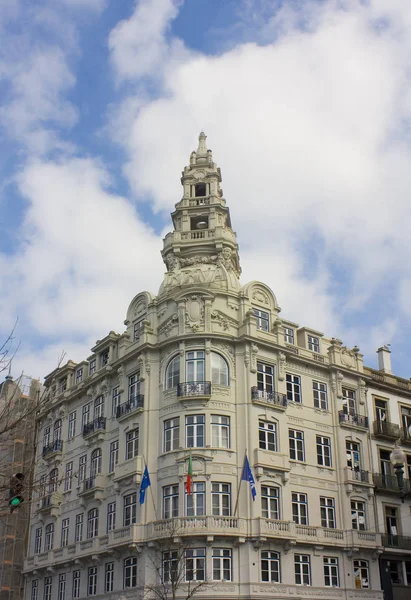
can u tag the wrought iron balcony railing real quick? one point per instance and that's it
(56, 446)
(351, 418)
(389, 483)
(98, 424)
(132, 404)
(194, 388)
(397, 541)
(385, 429)
(405, 435)
(275, 398)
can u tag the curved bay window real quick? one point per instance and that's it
(219, 369)
(197, 370)
(173, 373)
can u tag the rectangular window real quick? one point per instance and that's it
(195, 366)
(349, 402)
(68, 476)
(195, 564)
(62, 587)
(104, 358)
(133, 387)
(92, 581)
(270, 567)
(302, 569)
(220, 431)
(109, 577)
(85, 415)
(111, 516)
(358, 515)
(331, 574)
(221, 499)
(170, 501)
(92, 523)
(265, 378)
(49, 537)
(288, 335)
(299, 508)
(130, 572)
(76, 584)
(138, 328)
(296, 441)
(327, 509)
(35, 589)
(222, 560)
(113, 458)
(47, 588)
(79, 375)
(38, 540)
(72, 425)
(320, 395)
(195, 502)
(46, 436)
(408, 571)
(78, 536)
(263, 319)
(267, 433)
(92, 366)
(313, 343)
(130, 509)
(99, 407)
(115, 400)
(353, 455)
(361, 575)
(195, 431)
(270, 502)
(65, 527)
(396, 574)
(170, 566)
(171, 434)
(132, 444)
(82, 468)
(406, 421)
(293, 384)
(323, 451)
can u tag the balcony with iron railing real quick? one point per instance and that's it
(386, 430)
(194, 390)
(50, 451)
(134, 404)
(396, 541)
(274, 399)
(352, 420)
(405, 434)
(356, 476)
(389, 484)
(96, 426)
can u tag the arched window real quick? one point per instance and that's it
(99, 407)
(130, 572)
(57, 430)
(219, 369)
(173, 373)
(49, 540)
(95, 466)
(92, 523)
(53, 481)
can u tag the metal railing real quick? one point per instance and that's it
(275, 398)
(194, 388)
(405, 434)
(353, 419)
(390, 483)
(56, 446)
(386, 429)
(359, 475)
(397, 541)
(96, 425)
(132, 404)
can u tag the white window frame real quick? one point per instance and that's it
(358, 515)
(195, 564)
(331, 571)
(129, 509)
(62, 587)
(82, 468)
(327, 512)
(361, 574)
(48, 583)
(111, 516)
(132, 439)
(222, 564)
(109, 577)
(220, 374)
(57, 427)
(79, 375)
(92, 366)
(46, 436)
(85, 414)
(96, 460)
(195, 430)
(38, 540)
(65, 529)
(78, 534)
(296, 445)
(99, 407)
(349, 402)
(49, 537)
(320, 395)
(293, 385)
(170, 501)
(265, 378)
(313, 343)
(195, 366)
(270, 502)
(299, 506)
(289, 335)
(76, 584)
(302, 569)
(113, 456)
(92, 581)
(221, 499)
(220, 431)
(115, 399)
(171, 434)
(104, 358)
(270, 564)
(195, 503)
(324, 456)
(72, 425)
(138, 326)
(173, 372)
(34, 589)
(133, 387)
(130, 572)
(170, 562)
(263, 319)
(267, 436)
(92, 523)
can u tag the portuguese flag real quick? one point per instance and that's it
(189, 481)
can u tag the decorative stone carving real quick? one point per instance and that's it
(172, 262)
(347, 358)
(194, 313)
(363, 391)
(260, 297)
(166, 327)
(282, 361)
(221, 318)
(198, 260)
(254, 352)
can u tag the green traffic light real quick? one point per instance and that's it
(15, 502)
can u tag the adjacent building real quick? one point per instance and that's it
(206, 373)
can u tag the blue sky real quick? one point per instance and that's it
(307, 108)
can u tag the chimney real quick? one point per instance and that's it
(384, 359)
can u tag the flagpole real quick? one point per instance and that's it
(152, 497)
(239, 484)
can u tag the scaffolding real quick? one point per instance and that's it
(17, 452)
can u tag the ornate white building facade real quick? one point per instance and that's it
(209, 369)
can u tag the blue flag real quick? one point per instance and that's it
(248, 476)
(145, 482)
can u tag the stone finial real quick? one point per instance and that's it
(202, 146)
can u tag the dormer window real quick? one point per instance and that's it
(79, 375)
(313, 343)
(63, 384)
(200, 190)
(138, 328)
(104, 358)
(288, 335)
(92, 366)
(263, 319)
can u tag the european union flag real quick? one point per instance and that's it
(248, 476)
(145, 482)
